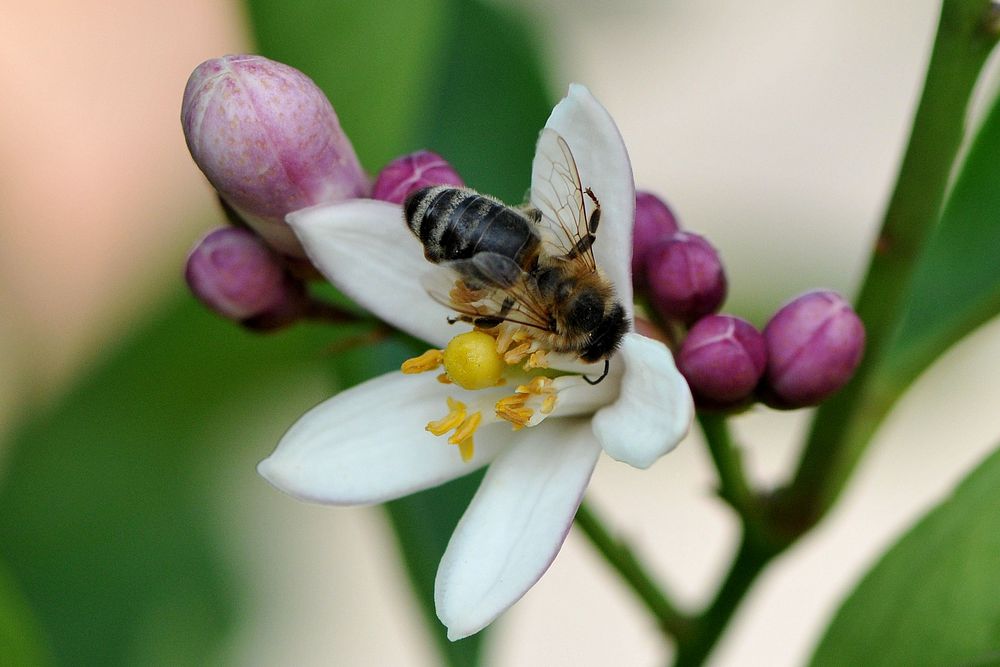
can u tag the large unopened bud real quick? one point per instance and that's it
(269, 141)
(814, 344)
(413, 172)
(239, 277)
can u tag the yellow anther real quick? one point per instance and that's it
(466, 448)
(516, 354)
(537, 359)
(427, 361)
(504, 339)
(512, 409)
(548, 405)
(453, 419)
(443, 378)
(538, 385)
(466, 429)
(472, 362)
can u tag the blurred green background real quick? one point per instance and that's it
(133, 528)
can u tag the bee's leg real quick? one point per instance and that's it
(595, 217)
(490, 321)
(487, 322)
(582, 246)
(530, 212)
(607, 367)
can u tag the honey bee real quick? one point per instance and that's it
(531, 265)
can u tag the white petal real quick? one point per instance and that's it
(364, 248)
(654, 408)
(603, 163)
(515, 525)
(368, 444)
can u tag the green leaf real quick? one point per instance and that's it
(957, 284)
(373, 60)
(489, 99)
(104, 526)
(934, 598)
(21, 642)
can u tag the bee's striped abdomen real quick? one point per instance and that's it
(457, 223)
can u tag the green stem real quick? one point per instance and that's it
(620, 556)
(733, 485)
(844, 425)
(750, 561)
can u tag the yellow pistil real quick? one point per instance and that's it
(428, 361)
(471, 361)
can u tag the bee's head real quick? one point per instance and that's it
(606, 334)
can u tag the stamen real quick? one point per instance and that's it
(517, 353)
(443, 378)
(512, 409)
(504, 339)
(453, 419)
(537, 359)
(428, 361)
(464, 426)
(466, 448)
(540, 392)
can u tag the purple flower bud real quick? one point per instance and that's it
(234, 273)
(269, 141)
(653, 221)
(685, 276)
(722, 358)
(412, 172)
(814, 343)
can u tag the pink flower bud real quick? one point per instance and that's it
(653, 221)
(814, 344)
(269, 141)
(685, 276)
(234, 273)
(722, 358)
(412, 172)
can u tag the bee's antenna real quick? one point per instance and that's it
(607, 367)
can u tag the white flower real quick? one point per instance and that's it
(369, 444)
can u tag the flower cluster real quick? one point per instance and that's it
(271, 146)
(492, 391)
(808, 350)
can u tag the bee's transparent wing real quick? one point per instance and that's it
(558, 195)
(487, 286)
